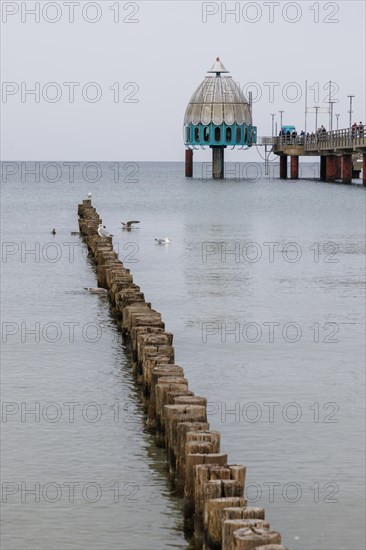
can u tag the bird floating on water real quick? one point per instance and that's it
(75, 233)
(163, 241)
(128, 225)
(89, 196)
(95, 290)
(103, 231)
(53, 231)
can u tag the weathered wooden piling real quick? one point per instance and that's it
(249, 538)
(232, 525)
(214, 505)
(189, 163)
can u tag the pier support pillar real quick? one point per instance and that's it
(364, 169)
(294, 167)
(330, 168)
(283, 167)
(218, 163)
(347, 168)
(338, 168)
(323, 168)
(189, 163)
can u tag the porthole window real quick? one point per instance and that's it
(206, 134)
(238, 135)
(217, 134)
(196, 134)
(245, 134)
(228, 134)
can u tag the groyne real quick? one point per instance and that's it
(212, 490)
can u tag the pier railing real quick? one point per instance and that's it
(337, 139)
(345, 139)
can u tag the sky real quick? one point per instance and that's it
(111, 80)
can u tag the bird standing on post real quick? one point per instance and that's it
(103, 231)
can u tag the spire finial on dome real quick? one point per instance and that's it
(218, 67)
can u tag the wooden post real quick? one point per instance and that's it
(347, 168)
(218, 162)
(183, 429)
(248, 538)
(192, 442)
(246, 512)
(215, 482)
(330, 171)
(189, 163)
(294, 167)
(214, 520)
(192, 460)
(179, 413)
(338, 167)
(283, 167)
(149, 357)
(165, 384)
(231, 525)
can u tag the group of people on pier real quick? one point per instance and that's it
(357, 129)
(320, 136)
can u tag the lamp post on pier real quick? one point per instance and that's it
(351, 96)
(281, 113)
(331, 103)
(337, 117)
(273, 115)
(316, 122)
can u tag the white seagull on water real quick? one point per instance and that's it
(129, 225)
(96, 290)
(103, 231)
(163, 241)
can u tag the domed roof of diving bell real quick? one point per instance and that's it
(218, 99)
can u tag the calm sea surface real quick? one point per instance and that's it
(262, 286)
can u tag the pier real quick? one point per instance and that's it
(212, 490)
(336, 150)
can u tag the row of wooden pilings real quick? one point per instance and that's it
(332, 168)
(215, 509)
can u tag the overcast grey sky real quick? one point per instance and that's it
(146, 58)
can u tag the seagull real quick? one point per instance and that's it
(53, 231)
(103, 231)
(89, 196)
(128, 226)
(163, 241)
(96, 290)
